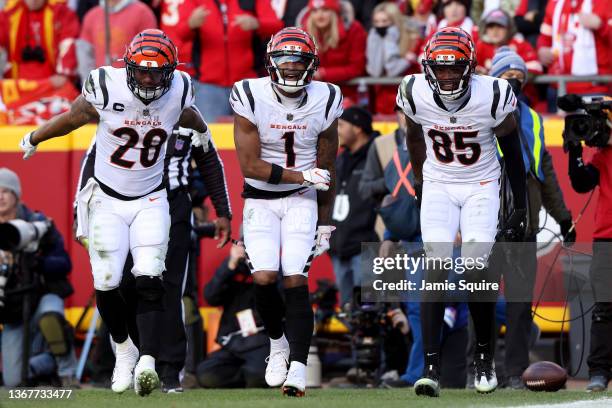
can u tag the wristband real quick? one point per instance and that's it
(276, 174)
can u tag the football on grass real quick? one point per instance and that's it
(544, 376)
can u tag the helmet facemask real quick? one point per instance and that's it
(161, 81)
(449, 79)
(291, 80)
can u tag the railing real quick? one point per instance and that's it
(561, 80)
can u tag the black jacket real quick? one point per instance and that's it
(49, 267)
(234, 291)
(357, 225)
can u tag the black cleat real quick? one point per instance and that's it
(429, 384)
(485, 380)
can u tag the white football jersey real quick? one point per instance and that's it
(288, 135)
(461, 146)
(131, 138)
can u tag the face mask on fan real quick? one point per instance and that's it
(516, 85)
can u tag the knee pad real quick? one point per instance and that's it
(56, 332)
(150, 293)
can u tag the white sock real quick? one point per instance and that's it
(125, 346)
(279, 344)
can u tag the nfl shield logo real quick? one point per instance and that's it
(145, 112)
(179, 144)
(453, 119)
(289, 117)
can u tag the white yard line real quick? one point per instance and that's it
(599, 403)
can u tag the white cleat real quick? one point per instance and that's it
(145, 376)
(295, 384)
(126, 356)
(485, 379)
(278, 361)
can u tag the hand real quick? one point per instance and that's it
(6, 258)
(223, 231)
(317, 178)
(590, 20)
(197, 17)
(399, 320)
(386, 249)
(26, 145)
(322, 241)
(568, 231)
(514, 228)
(531, 15)
(197, 139)
(546, 55)
(237, 254)
(246, 22)
(58, 80)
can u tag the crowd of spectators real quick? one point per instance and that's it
(222, 41)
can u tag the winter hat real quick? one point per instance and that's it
(10, 181)
(359, 117)
(504, 60)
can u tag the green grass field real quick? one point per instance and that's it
(327, 398)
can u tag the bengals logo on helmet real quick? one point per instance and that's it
(291, 45)
(449, 62)
(150, 60)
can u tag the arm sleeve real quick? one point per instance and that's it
(374, 55)
(4, 33)
(218, 285)
(372, 183)
(584, 178)
(211, 168)
(333, 107)
(242, 101)
(545, 38)
(515, 168)
(182, 28)
(268, 22)
(552, 196)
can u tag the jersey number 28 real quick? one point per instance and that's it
(442, 146)
(151, 146)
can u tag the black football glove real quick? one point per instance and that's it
(568, 231)
(513, 229)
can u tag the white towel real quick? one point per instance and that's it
(82, 199)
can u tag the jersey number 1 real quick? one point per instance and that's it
(153, 140)
(289, 138)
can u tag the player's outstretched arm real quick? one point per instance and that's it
(510, 144)
(327, 149)
(415, 141)
(248, 147)
(191, 118)
(81, 112)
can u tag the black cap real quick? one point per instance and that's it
(359, 117)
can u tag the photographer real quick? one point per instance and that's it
(48, 265)
(241, 362)
(584, 178)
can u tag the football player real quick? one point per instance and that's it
(286, 136)
(453, 117)
(124, 206)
